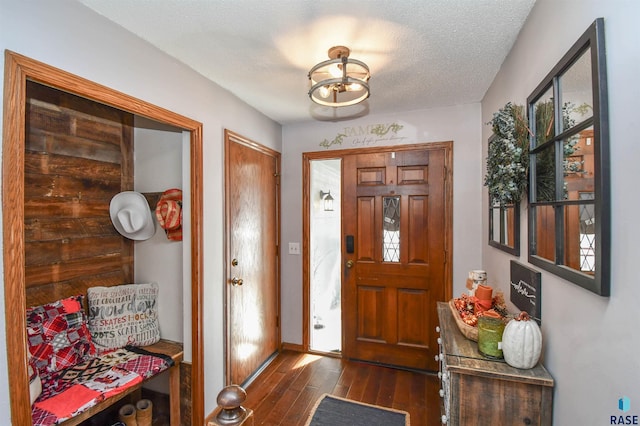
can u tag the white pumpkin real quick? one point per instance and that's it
(522, 342)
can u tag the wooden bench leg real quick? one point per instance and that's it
(174, 394)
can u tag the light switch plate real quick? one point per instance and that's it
(294, 248)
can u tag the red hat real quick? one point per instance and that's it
(169, 213)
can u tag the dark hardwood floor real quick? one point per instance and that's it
(285, 392)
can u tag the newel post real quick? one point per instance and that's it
(230, 411)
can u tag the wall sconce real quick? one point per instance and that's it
(328, 200)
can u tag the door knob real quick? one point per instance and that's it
(236, 281)
(349, 263)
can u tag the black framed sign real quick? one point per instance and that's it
(525, 290)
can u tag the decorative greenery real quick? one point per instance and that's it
(380, 129)
(508, 159)
(336, 141)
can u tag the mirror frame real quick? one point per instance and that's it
(515, 229)
(599, 282)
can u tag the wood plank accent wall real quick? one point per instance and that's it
(78, 155)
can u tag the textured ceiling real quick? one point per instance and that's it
(422, 53)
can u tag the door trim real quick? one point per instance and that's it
(230, 136)
(307, 157)
(19, 69)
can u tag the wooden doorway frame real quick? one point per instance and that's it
(307, 157)
(19, 69)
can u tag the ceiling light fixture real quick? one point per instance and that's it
(340, 81)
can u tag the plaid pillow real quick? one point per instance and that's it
(57, 335)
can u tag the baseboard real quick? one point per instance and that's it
(292, 347)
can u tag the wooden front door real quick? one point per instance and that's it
(396, 237)
(252, 290)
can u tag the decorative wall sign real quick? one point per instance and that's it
(526, 289)
(372, 134)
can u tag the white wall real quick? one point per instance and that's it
(158, 167)
(591, 342)
(460, 124)
(69, 36)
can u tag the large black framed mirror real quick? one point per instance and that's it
(569, 188)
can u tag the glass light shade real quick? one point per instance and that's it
(324, 91)
(335, 70)
(328, 204)
(348, 86)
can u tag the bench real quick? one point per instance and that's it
(87, 365)
(165, 348)
(78, 390)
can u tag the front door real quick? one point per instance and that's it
(252, 289)
(396, 255)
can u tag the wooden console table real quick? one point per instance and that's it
(478, 391)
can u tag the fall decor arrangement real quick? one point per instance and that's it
(508, 159)
(467, 309)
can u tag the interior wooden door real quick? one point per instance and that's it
(396, 232)
(252, 290)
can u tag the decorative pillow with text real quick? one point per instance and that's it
(123, 315)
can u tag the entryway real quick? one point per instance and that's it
(302, 378)
(385, 243)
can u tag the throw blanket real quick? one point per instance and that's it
(69, 392)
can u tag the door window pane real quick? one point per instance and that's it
(325, 258)
(391, 229)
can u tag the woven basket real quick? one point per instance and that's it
(467, 331)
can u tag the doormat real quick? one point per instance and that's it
(334, 411)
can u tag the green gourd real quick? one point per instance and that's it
(522, 342)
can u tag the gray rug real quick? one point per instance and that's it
(334, 411)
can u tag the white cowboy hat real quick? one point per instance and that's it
(131, 215)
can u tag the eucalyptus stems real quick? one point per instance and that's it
(508, 159)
